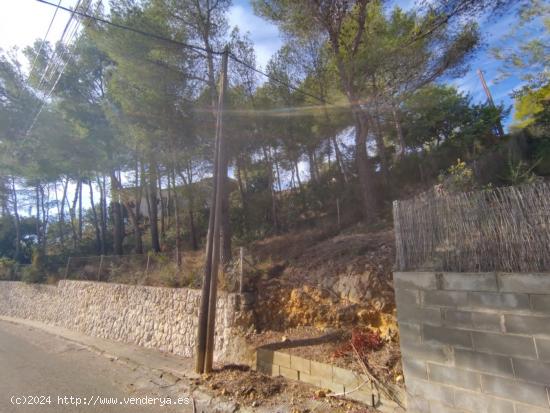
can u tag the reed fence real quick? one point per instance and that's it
(505, 229)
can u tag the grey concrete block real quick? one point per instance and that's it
(415, 280)
(498, 301)
(322, 370)
(540, 303)
(534, 371)
(409, 333)
(301, 364)
(333, 387)
(475, 402)
(281, 359)
(472, 320)
(470, 281)
(430, 391)
(444, 298)
(437, 353)
(309, 379)
(288, 373)
(407, 314)
(264, 356)
(524, 283)
(344, 376)
(543, 349)
(483, 362)
(504, 344)
(445, 335)
(417, 404)
(487, 322)
(525, 408)
(442, 408)
(409, 298)
(455, 377)
(269, 369)
(457, 318)
(530, 393)
(413, 368)
(519, 324)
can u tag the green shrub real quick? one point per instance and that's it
(36, 272)
(8, 269)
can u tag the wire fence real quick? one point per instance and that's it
(504, 229)
(113, 268)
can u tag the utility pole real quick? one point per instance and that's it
(490, 100)
(207, 311)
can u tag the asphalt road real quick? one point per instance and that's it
(35, 365)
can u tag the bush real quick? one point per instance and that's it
(8, 269)
(35, 273)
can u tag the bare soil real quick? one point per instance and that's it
(252, 389)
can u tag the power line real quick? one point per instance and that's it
(296, 89)
(44, 38)
(188, 46)
(61, 60)
(132, 29)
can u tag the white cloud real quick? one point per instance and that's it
(264, 35)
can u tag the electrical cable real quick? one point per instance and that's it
(187, 45)
(44, 39)
(67, 57)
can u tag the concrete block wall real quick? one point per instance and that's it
(325, 376)
(475, 342)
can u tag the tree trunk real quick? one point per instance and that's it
(162, 207)
(116, 213)
(269, 169)
(72, 212)
(381, 148)
(153, 206)
(400, 136)
(62, 213)
(16, 222)
(339, 160)
(80, 210)
(38, 226)
(103, 212)
(99, 247)
(176, 219)
(242, 192)
(364, 166)
(45, 216)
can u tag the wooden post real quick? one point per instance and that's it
(216, 250)
(99, 269)
(67, 267)
(204, 309)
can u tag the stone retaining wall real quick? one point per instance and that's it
(476, 342)
(153, 317)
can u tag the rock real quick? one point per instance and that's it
(320, 394)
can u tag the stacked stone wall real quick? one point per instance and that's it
(153, 317)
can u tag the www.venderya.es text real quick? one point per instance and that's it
(95, 400)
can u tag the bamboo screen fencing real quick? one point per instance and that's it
(505, 229)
